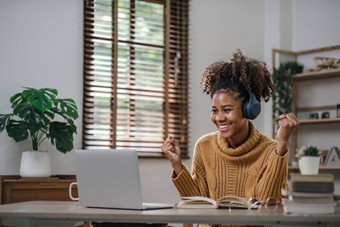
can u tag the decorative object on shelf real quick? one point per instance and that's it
(323, 155)
(327, 63)
(282, 78)
(309, 159)
(325, 115)
(34, 113)
(313, 116)
(333, 157)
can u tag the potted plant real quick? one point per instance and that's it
(40, 115)
(309, 159)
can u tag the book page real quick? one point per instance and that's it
(199, 199)
(233, 202)
(223, 202)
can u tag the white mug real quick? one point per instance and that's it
(70, 191)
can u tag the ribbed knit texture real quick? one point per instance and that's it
(252, 170)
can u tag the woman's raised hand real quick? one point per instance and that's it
(172, 151)
(287, 124)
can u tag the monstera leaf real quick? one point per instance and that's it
(34, 111)
(42, 99)
(18, 130)
(60, 133)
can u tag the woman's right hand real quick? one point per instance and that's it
(172, 151)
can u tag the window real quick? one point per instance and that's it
(135, 74)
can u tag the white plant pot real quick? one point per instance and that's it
(35, 164)
(309, 165)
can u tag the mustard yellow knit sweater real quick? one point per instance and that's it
(252, 170)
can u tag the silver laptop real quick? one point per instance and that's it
(110, 179)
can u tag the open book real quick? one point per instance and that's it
(223, 202)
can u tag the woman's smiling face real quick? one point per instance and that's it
(226, 114)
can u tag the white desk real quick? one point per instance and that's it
(28, 213)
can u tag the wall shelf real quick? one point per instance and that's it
(298, 78)
(304, 76)
(317, 75)
(320, 121)
(319, 79)
(313, 108)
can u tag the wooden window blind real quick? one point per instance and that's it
(135, 74)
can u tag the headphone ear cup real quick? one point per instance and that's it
(252, 108)
(244, 109)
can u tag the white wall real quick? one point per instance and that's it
(218, 29)
(316, 23)
(278, 34)
(41, 46)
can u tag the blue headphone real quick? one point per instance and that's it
(251, 108)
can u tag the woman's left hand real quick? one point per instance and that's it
(287, 124)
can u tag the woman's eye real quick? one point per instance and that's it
(227, 110)
(214, 111)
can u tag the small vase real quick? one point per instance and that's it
(309, 165)
(35, 164)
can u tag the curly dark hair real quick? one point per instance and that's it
(241, 75)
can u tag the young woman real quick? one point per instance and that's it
(237, 160)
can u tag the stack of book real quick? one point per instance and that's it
(309, 194)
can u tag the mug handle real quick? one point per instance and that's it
(70, 192)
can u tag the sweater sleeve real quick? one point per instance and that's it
(273, 177)
(184, 183)
(195, 184)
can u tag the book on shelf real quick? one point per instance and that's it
(310, 200)
(292, 206)
(198, 202)
(320, 183)
(322, 187)
(321, 177)
(287, 192)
